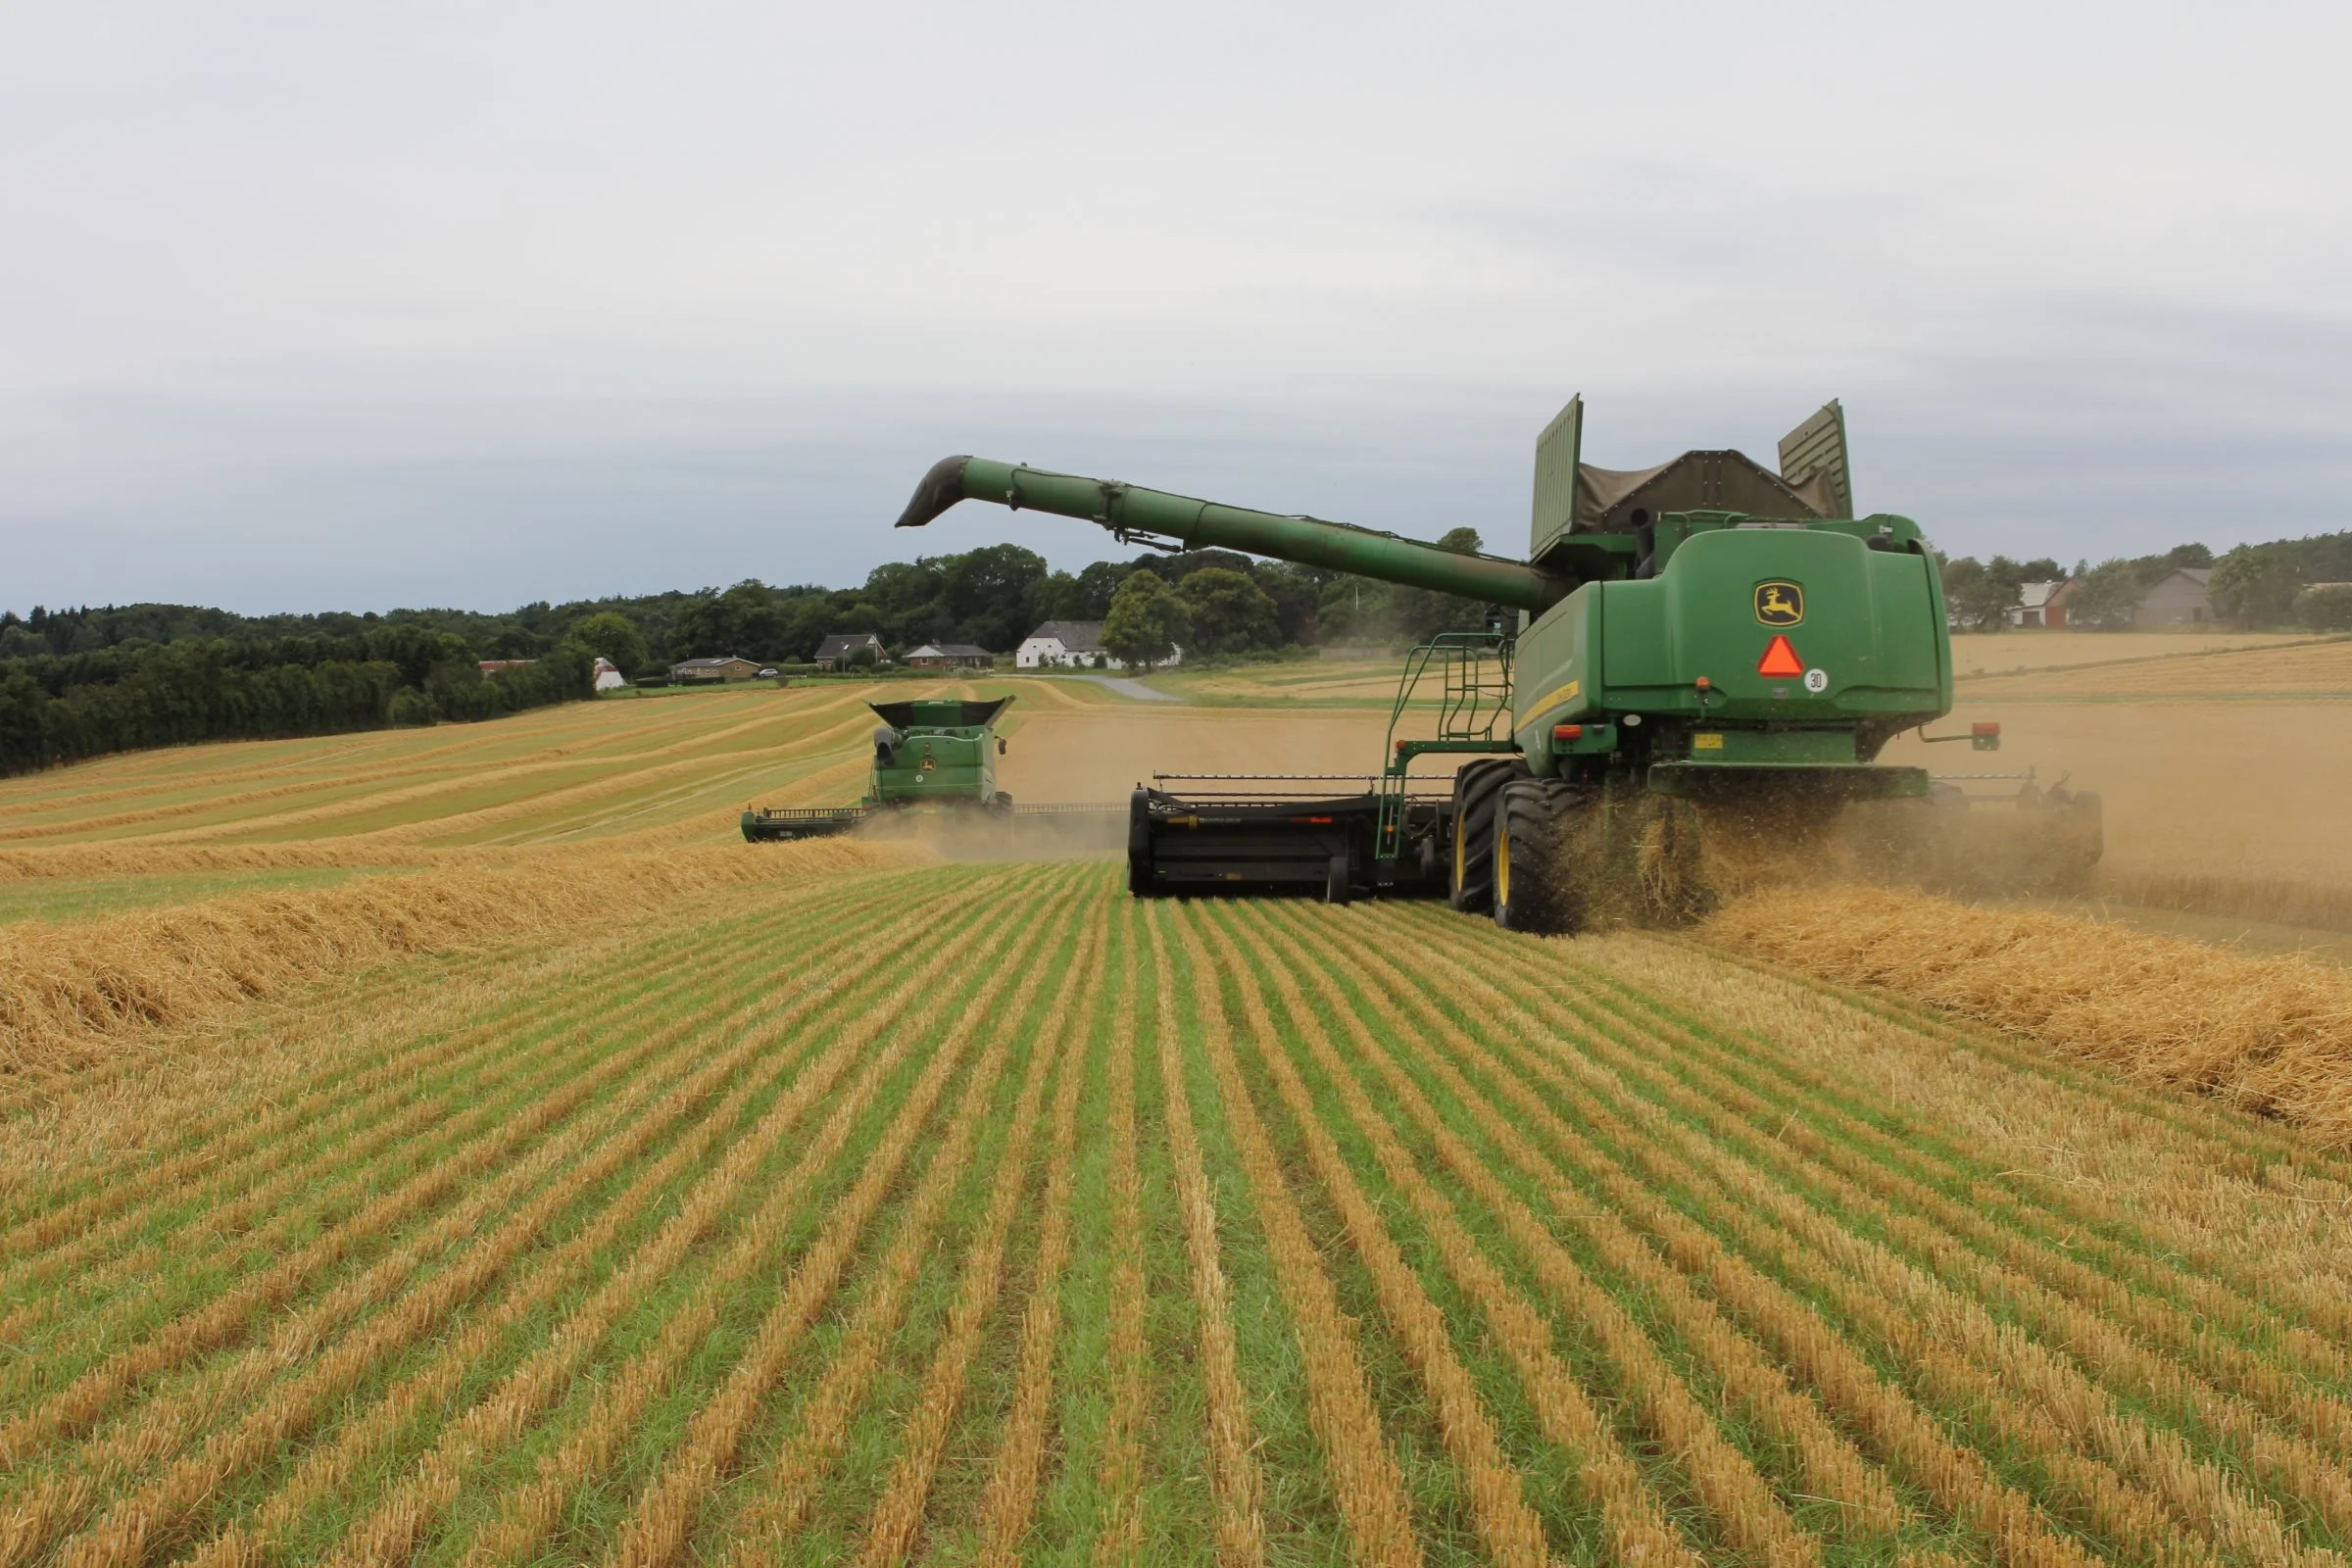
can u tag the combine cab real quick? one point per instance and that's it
(1707, 659)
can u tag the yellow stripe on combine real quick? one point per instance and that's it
(1559, 694)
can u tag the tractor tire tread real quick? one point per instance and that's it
(1545, 898)
(1477, 786)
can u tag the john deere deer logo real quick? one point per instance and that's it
(1780, 603)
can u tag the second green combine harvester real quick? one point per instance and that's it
(931, 755)
(1707, 659)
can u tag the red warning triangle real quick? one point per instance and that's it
(1779, 660)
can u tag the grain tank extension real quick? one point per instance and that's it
(1693, 673)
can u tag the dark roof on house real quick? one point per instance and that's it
(714, 663)
(842, 642)
(1076, 636)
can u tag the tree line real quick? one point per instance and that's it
(139, 692)
(2283, 583)
(992, 597)
(83, 682)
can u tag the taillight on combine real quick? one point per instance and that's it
(1567, 732)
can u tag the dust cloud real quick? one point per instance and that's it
(2229, 806)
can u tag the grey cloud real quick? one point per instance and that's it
(438, 303)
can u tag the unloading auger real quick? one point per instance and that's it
(1706, 661)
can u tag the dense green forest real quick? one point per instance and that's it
(83, 682)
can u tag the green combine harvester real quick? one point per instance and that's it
(1707, 658)
(935, 762)
(935, 754)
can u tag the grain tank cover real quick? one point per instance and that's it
(1814, 454)
(940, 713)
(1627, 499)
(1575, 497)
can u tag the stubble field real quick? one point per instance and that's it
(713, 1204)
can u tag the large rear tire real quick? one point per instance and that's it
(1535, 888)
(1470, 880)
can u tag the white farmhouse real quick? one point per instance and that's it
(609, 677)
(2033, 607)
(1071, 645)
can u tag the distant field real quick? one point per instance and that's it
(1324, 681)
(984, 1214)
(2300, 668)
(2002, 653)
(612, 773)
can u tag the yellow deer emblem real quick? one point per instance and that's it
(1780, 603)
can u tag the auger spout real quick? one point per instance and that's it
(1131, 510)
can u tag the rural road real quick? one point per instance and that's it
(1128, 686)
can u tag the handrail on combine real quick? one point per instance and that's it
(1475, 695)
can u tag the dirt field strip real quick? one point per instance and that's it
(2145, 1248)
(786, 1486)
(472, 1140)
(493, 1042)
(1905, 1437)
(1120, 1469)
(897, 1517)
(1012, 1480)
(1867, 1287)
(1233, 1461)
(2181, 1155)
(147, 1433)
(1752, 1519)
(530, 1512)
(1941, 1381)
(1867, 1193)
(1364, 1474)
(325, 1183)
(2010, 1398)
(1830, 1469)
(2048, 1243)
(151, 1514)
(1507, 1527)
(425, 1134)
(389, 1532)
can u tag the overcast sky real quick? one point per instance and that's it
(363, 305)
